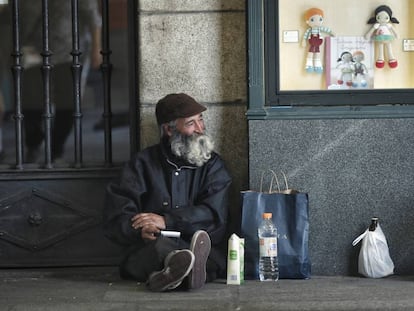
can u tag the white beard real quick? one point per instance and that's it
(195, 149)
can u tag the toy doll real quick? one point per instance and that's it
(314, 18)
(360, 70)
(346, 69)
(383, 33)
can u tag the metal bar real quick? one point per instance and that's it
(17, 70)
(133, 74)
(106, 68)
(76, 87)
(46, 71)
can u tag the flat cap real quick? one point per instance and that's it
(175, 106)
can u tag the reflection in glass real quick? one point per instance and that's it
(61, 82)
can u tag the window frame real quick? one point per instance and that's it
(267, 101)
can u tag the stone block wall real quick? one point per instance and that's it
(198, 47)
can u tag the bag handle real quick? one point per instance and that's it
(358, 239)
(274, 177)
(285, 178)
(287, 190)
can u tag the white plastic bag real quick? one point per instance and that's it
(374, 258)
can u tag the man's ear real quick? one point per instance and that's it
(167, 129)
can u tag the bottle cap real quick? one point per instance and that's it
(374, 224)
(267, 215)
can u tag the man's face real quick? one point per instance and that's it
(189, 141)
(189, 126)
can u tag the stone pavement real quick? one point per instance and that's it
(100, 288)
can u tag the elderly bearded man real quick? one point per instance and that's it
(179, 184)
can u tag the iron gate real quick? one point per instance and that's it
(50, 208)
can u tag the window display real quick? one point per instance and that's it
(384, 26)
(330, 59)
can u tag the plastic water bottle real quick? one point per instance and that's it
(268, 263)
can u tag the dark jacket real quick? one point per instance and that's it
(189, 197)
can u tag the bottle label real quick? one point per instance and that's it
(268, 247)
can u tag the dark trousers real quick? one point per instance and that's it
(33, 107)
(142, 260)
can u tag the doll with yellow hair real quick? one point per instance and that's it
(314, 18)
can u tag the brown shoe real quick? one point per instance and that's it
(200, 246)
(177, 265)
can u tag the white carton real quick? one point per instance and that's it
(235, 260)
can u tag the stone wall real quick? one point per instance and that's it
(198, 47)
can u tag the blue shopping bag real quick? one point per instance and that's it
(290, 211)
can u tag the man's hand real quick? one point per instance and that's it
(149, 232)
(149, 223)
(147, 219)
